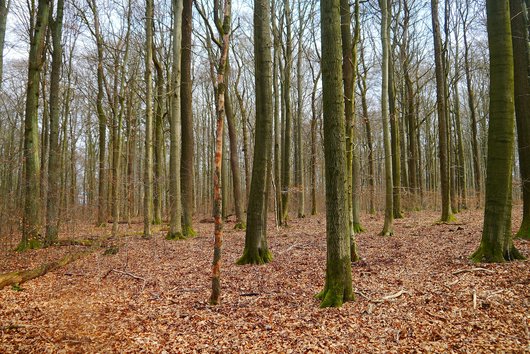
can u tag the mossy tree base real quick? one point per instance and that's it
(188, 232)
(32, 244)
(256, 256)
(240, 226)
(175, 236)
(334, 297)
(488, 255)
(386, 233)
(524, 231)
(358, 228)
(451, 218)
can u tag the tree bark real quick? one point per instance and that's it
(447, 214)
(31, 222)
(54, 187)
(496, 244)
(187, 172)
(256, 249)
(389, 185)
(338, 287)
(4, 9)
(175, 226)
(521, 66)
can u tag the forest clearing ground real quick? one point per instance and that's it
(153, 294)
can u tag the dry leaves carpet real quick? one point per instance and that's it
(416, 292)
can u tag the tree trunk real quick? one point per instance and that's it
(519, 15)
(234, 156)
(338, 287)
(496, 244)
(159, 141)
(31, 223)
(287, 133)
(148, 169)
(447, 214)
(471, 102)
(187, 172)
(54, 188)
(389, 196)
(300, 188)
(256, 249)
(175, 226)
(4, 9)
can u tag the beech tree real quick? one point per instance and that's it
(31, 223)
(4, 9)
(186, 169)
(175, 226)
(338, 288)
(521, 67)
(443, 146)
(496, 244)
(256, 248)
(388, 227)
(54, 172)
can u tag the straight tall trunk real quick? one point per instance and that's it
(256, 249)
(175, 206)
(148, 169)
(159, 141)
(287, 133)
(31, 222)
(338, 287)
(477, 172)
(221, 83)
(496, 244)
(54, 187)
(186, 164)
(234, 156)
(443, 147)
(4, 9)
(388, 227)
(521, 66)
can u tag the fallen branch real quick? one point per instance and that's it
(129, 274)
(250, 294)
(472, 270)
(384, 298)
(23, 276)
(19, 277)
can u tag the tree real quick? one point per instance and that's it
(349, 61)
(148, 169)
(521, 66)
(496, 244)
(54, 171)
(175, 226)
(223, 27)
(4, 9)
(256, 249)
(234, 158)
(388, 227)
(443, 146)
(31, 222)
(186, 169)
(338, 287)
(287, 133)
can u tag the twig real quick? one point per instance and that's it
(384, 298)
(474, 299)
(249, 294)
(129, 274)
(288, 249)
(472, 270)
(436, 316)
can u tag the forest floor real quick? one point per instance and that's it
(416, 292)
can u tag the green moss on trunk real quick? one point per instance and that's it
(175, 236)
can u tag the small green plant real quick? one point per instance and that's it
(16, 287)
(111, 250)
